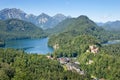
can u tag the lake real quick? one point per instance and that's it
(39, 46)
(112, 42)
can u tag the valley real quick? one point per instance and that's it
(59, 47)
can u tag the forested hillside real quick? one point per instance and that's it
(75, 46)
(17, 65)
(97, 60)
(103, 65)
(82, 25)
(18, 29)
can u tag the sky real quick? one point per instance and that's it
(97, 10)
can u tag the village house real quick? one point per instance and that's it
(74, 67)
(93, 49)
(49, 57)
(63, 60)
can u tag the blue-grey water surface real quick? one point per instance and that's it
(39, 46)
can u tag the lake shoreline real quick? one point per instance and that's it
(111, 42)
(34, 46)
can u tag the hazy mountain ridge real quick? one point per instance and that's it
(110, 25)
(43, 20)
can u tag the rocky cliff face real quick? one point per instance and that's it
(12, 13)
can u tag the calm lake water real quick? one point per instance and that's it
(39, 46)
(112, 42)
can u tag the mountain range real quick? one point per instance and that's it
(43, 20)
(110, 25)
